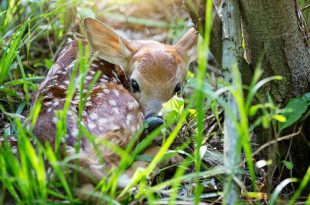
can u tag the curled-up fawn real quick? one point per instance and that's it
(136, 78)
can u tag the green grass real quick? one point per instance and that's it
(37, 174)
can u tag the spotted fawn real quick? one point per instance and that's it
(136, 78)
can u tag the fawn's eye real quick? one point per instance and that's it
(178, 88)
(134, 86)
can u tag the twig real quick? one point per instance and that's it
(275, 141)
(306, 7)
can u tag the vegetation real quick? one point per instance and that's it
(32, 35)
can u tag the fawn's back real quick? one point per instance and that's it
(110, 112)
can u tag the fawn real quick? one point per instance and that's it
(137, 77)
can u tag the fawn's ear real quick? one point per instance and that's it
(187, 46)
(109, 45)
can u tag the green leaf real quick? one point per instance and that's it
(294, 110)
(48, 63)
(265, 121)
(280, 118)
(289, 165)
(254, 109)
(173, 108)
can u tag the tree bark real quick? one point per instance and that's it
(271, 35)
(197, 10)
(272, 38)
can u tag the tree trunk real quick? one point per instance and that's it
(272, 38)
(197, 10)
(270, 29)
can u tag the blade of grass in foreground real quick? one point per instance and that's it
(58, 170)
(303, 184)
(23, 173)
(8, 160)
(279, 188)
(203, 50)
(36, 161)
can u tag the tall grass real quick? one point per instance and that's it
(36, 173)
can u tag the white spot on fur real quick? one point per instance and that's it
(102, 120)
(74, 102)
(55, 67)
(93, 116)
(54, 77)
(62, 86)
(132, 105)
(94, 65)
(116, 92)
(70, 150)
(88, 103)
(129, 118)
(133, 129)
(114, 127)
(48, 103)
(123, 181)
(103, 81)
(66, 82)
(70, 66)
(55, 103)
(97, 166)
(54, 120)
(106, 91)
(112, 102)
(91, 125)
(89, 77)
(75, 132)
(115, 110)
(99, 95)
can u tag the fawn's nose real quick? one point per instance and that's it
(153, 121)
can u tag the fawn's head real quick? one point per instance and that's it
(156, 71)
